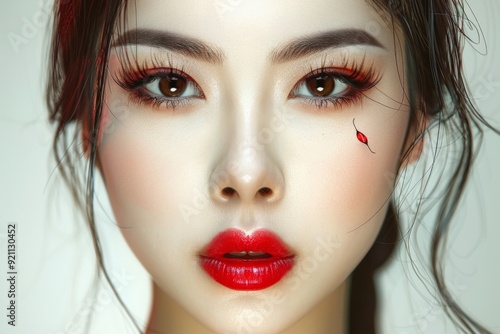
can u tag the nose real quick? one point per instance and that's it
(247, 173)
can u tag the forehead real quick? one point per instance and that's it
(264, 24)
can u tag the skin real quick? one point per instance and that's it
(165, 169)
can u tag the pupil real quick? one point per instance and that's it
(172, 85)
(320, 85)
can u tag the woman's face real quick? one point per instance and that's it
(249, 123)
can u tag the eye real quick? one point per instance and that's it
(334, 86)
(321, 85)
(172, 86)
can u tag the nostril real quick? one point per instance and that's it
(228, 191)
(265, 191)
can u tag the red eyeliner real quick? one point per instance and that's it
(246, 262)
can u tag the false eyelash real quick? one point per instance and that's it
(351, 73)
(133, 76)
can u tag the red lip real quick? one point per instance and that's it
(246, 262)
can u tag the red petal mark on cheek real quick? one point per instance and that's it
(361, 137)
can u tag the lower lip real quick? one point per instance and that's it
(247, 275)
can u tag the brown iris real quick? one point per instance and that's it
(320, 85)
(172, 85)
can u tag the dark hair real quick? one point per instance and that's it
(433, 32)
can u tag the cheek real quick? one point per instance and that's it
(351, 208)
(151, 173)
(365, 187)
(354, 186)
(133, 174)
(144, 188)
(348, 193)
(142, 166)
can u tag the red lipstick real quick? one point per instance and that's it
(246, 262)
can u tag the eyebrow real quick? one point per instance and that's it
(168, 40)
(295, 49)
(305, 46)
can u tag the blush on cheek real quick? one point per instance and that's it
(136, 174)
(368, 198)
(362, 187)
(372, 176)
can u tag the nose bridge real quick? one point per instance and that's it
(247, 170)
(251, 163)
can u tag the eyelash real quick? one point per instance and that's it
(134, 78)
(357, 79)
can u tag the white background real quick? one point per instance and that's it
(55, 262)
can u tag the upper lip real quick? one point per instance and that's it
(234, 242)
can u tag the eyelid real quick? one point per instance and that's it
(135, 78)
(334, 72)
(131, 80)
(302, 84)
(159, 73)
(354, 75)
